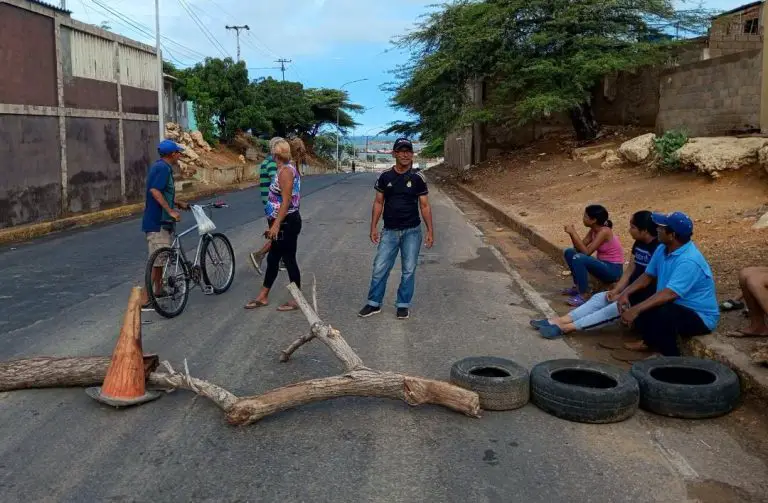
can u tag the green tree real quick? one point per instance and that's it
(325, 103)
(537, 57)
(221, 93)
(324, 145)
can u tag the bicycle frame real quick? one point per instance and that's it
(176, 245)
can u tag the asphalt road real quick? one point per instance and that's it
(65, 295)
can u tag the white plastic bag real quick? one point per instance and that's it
(204, 224)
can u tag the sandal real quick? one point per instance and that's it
(731, 305)
(570, 292)
(576, 301)
(287, 307)
(255, 303)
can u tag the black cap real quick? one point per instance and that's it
(403, 144)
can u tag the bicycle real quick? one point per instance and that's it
(178, 271)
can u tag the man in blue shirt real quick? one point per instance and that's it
(160, 217)
(685, 303)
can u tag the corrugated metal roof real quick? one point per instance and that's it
(50, 6)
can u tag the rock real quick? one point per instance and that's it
(189, 154)
(197, 139)
(172, 131)
(762, 223)
(762, 157)
(638, 149)
(760, 354)
(242, 158)
(186, 140)
(612, 160)
(709, 155)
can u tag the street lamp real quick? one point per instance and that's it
(338, 109)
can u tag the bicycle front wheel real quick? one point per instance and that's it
(218, 263)
(167, 282)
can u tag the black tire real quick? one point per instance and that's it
(686, 387)
(501, 384)
(227, 248)
(184, 276)
(584, 391)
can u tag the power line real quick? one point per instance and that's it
(137, 27)
(211, 38)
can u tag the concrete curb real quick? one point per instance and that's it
(753, 381)
(28, 232)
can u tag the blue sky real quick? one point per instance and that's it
(330, 42)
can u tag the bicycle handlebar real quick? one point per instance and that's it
(217, 205)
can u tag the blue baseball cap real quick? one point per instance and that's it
(168, 147)
(678, 222)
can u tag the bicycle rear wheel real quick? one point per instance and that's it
(218, 263)
(170, 298)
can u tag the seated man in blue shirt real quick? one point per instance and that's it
(160, 217)
(684, 304)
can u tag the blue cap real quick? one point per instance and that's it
(678, 222)
(167, 147)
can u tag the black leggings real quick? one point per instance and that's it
(284, 247)
(661, 326)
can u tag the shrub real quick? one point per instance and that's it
(667, 146)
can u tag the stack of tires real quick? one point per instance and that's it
(593, 392)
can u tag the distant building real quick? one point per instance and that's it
(737, 30)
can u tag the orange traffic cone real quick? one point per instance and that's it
(124, 383)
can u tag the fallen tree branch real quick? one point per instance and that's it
(365, 383)
(56, 372)
(287, 352)
(174, 380)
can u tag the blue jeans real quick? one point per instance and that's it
(408, 243)
(582, 266)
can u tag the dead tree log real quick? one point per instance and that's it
(47, 372)
(358, 380)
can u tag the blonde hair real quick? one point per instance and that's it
(282, 150)
(272, 143)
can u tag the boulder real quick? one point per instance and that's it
(242, 158)
(612, 160)
(710, 155)
(189, 154)
(638, 149)
(172, 131)
(186, 140)
(199, 141)
(762, 157)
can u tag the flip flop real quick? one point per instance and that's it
(731, 305)
(570, 292)
(743, 333)
(254, 304)
(576, 301)
(287, 307)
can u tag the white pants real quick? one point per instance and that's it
(595, 313)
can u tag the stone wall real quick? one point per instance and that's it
(713, 97)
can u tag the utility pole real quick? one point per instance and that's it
(282, 65)
(237, 35)
(160, 80)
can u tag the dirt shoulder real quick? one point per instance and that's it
(543, 187)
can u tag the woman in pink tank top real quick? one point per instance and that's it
(607, 266)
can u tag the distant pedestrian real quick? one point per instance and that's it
(160, 217)
(400, 193)
(685, 304)
(267, 172)
(284, 225)
(609, 264)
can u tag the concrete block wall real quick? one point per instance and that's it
(728, 35)
(78, 122)
(713, 97)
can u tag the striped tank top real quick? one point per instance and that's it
(275, 200)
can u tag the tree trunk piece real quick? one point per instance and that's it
(584, 122)
(49, 372)
(367, 383)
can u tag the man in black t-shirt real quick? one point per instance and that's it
(400, 193)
